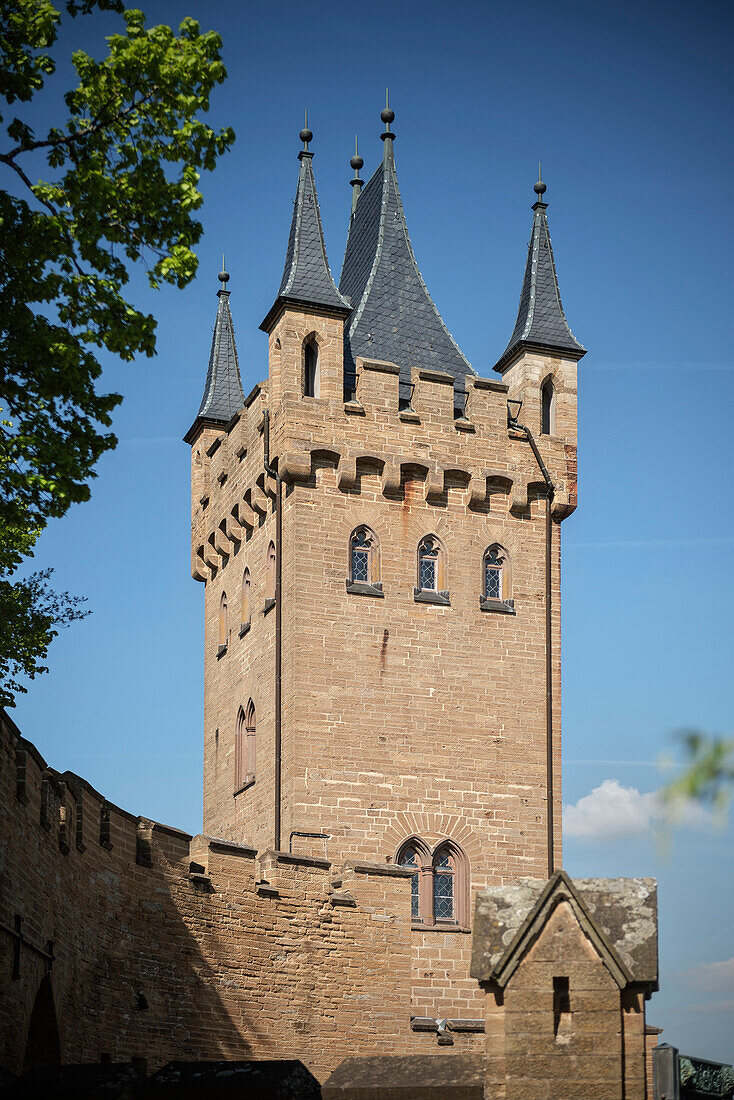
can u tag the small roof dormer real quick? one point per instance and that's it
(541, 324)
(307, 280)
(223, 393)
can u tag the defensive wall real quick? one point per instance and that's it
(159, 946)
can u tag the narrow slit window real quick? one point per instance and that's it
(270, 565)
(223, 622)
(310, 369)
(246, 599)
(561, 1006)
(547, 408)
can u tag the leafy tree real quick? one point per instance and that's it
(122, 172)
(708, 773)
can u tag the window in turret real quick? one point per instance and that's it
(431, 584)
(547, 408)
(364, 563)
(311, 368)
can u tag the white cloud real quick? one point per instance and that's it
(615, 812)
(715, 977)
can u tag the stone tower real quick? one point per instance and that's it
(378, 530)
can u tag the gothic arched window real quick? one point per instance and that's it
(311, 372)
(496, 588)
(245, 748)
(223, 623)
(364, 562)
(270, 576)
(246, 609)
(548, 408)
(431, 586)
(439, 882)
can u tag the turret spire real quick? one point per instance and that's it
(394, 318)
(223, 393)
(357, 182)
(307, 278)
(541, 323)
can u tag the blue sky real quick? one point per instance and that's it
(629, 107)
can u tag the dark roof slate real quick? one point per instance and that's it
(541, 321)
(394, 317)
(306, 275)
(223, 393)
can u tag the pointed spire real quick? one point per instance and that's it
(541, 322)
(307, 278)
(394, 317)
(223, 393)
(357, 182)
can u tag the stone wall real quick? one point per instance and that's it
(170, 947)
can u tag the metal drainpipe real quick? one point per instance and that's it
(274, 472)
(550, 493)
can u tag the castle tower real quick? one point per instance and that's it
(399, 689)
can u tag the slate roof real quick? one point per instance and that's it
(223, 393)
(541, 322)
(394, 317)
(307, 277)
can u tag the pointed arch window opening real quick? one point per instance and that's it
(245, 748)
(364, 563)
(496, 588)
(223, 625)
(269, 578)
(311, 369)
(432, 586)
(548, 408)
(439, 883)
(246, 609)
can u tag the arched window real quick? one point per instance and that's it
(548, 408)
(311, 379)
(223, 623)
(246, 611)
(439, 883)
(496, 590)
(251, 732)
(364, 562)
(270, 577)
(444, 908)
(432, 586)
(245, 748)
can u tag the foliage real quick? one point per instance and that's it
(122, 188)
(708, 773)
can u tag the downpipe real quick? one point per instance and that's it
(273, 472)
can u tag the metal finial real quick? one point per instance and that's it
(539, 187)
(356, 162)
(387, 114)
(223, 275)
(305, 134)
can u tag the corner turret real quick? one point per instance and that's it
(541, 324)
(223, 394)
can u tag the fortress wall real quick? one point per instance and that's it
(171, 947)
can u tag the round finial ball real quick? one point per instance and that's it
(306, 136)
(540, 188)
(356, 163)
(223, 277)
(387, 115)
